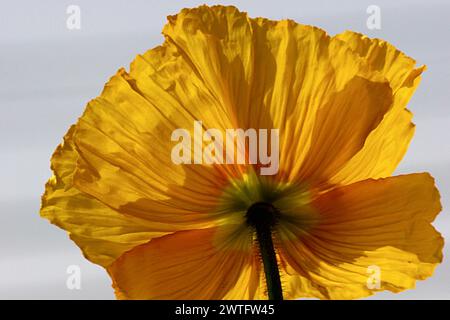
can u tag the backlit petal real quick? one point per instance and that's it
(287, 76)
(387, 144)
(101, 232)
(341, 127)
(216, 263)
(383, 224)
(124, 139)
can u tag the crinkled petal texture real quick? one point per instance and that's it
(162, 229)
(387, 144)
(101, 232)
(213, 263)
(286, 76)
(382, 224)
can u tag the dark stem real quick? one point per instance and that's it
(262, 216)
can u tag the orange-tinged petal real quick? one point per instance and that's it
(385, 146)
(102, 233)
(215, 263)
(383, 223)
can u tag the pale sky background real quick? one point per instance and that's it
(48, 74)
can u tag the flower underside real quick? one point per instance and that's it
(329, 214)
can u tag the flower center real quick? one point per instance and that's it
(269, 207)
(262, 213)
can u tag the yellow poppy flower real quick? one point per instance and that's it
(332, 211)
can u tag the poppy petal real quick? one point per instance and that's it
(124, 142)
(387, 144)
(102, 233)
(287, 76)
(215, 263)
(341, 127)
(383, 224)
